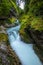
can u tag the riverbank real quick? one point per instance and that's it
(7, 55)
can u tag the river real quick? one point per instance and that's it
(24, 51)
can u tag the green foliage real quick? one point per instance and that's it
(34, 15)
(14, 5)
(25, 20)
(12, 20)
(37, 24)
(16, 8)
(36, 7)
(5, 7)
(27, 5)
(31, 16)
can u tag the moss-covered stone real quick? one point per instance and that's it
(12, 20)
(3, 37)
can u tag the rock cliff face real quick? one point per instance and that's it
(36, 36)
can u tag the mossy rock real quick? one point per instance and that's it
(12, 20)
(3, 37)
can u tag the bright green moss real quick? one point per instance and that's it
(37, 24)
(3, 37)
(12, 19)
